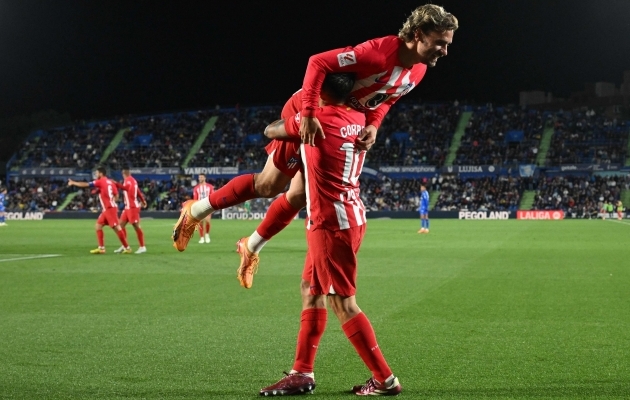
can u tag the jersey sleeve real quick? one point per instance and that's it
(375, 117)
(120, 185)
(141, 195)
(361, 58)
(292, 125)
(195, 193)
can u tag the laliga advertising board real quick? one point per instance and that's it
(541, 215)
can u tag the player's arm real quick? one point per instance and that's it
(284, 128)
(120, 185)
(373, 120)
(142, 199)
(80, 184)
(195, 194)
(364, 57)
(278, 130)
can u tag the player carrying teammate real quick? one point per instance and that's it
(134, 201)
(3, 194)
(203, 190)
(109, 215)
(335, 229)
(386, 69)
(424, 210)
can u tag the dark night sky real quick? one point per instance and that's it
(96, 59)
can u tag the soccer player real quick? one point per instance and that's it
(3, 194)
(203, 190)
(335, 228)
(108, 195)
(386, 69)
(424, 210)
(619, 210)
(134, 201)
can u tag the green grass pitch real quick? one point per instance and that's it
(475, 309)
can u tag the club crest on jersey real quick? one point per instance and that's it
(297, 118)
(292, 163)
(407, 88)
(347, 58)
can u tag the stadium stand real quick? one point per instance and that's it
(587, 138)
(415, 134)
(501, 136)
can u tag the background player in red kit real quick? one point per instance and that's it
(109, 215)
(386, 69)
(335, 228)
(134, 201)
(203, 190)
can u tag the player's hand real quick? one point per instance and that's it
(144, 204)
(70, 182)
(309, 129)
(367, 138)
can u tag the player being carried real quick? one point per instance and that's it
(134, 201)
(386, 68)
(335, 229)
(108, 195)
(203, 190)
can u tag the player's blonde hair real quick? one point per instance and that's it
(426, 18)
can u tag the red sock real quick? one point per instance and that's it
(279, 215)
(101, 238)
(124, 231)
(200, 229)
(207, 227)
(312, 326)
(123, 238)
(234, 192)
(361, 334)
(140, 235)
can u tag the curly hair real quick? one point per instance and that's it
(426, 18)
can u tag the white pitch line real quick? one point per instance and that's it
(31, 257)
(619, 222)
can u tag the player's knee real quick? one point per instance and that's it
(345, 308)
(297, 199)
(266, 187)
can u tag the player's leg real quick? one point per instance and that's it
(280, 214)
(426, 222)
(359, 331)
(206, 236)
(111, 217)
(2, 218)
(140, 235)
(200, 228)
(124, 218)
(301, 378)
(100, 236)
(268, 183)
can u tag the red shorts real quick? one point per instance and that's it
(285, 156)
(331, 260)
(108, 217)
(131, 215)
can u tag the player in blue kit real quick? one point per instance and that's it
(3, 194)
(424, 210)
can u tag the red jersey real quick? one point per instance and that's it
(202, 190)
(332, 169)
(131, 193)
(107, 192)
(380, 79)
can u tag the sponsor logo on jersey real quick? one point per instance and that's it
(347, 58)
